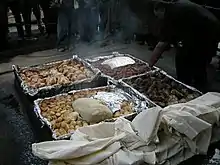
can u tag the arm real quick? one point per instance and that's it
(157, 52)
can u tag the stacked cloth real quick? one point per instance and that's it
(156, 136)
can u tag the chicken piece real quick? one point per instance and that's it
(138, 81)
(63, 80)
(190, 97)
(177, 93)
(44, 73)
(172, 98)
(151, 88)
(51, 80)
(81, 77)
(65, 71)
(53, 71)
(35, 78)
(182, 101)
(29, 73)
(71, 76)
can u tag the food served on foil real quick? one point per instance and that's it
(66, 113)
(61, 73)
(162, 90)
(121, 67)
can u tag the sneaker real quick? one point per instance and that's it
(42, 30)
(31, 38)
(61, 49)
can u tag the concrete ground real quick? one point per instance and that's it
(16, 135)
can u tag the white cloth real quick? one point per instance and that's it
(156, 136)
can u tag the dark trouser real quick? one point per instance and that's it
(15, 8)
(64, 26)
(26, 13)
(36, 11)
(88, 19)
(50, 16)
(191, 62)
(3, 25)
(103, 11)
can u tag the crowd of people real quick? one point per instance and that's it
(193, 29)
(68, 18)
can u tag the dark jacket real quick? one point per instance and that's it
(187, 21)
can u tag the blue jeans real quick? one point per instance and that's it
(65, 26)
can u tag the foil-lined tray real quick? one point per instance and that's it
(114, 73)
(92, 81)
(161, 88)
(136, 100)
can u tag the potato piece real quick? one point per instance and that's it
(85, 124)
(73, 123)
(57, 132)
(117, 114)
(53, 122)
(58, 114)
(60, 119)
(65, 126)
(57, 125)
(76, 127)
(122, 110)
(127, 113)
(62, 131)
(52, 113)
(79, 123)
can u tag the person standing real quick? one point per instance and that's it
(195, 32)
(88, 22)
(65, 24)
(50, 16)
(3, 25)
(14, 5)
(27, 7)
(37, 13)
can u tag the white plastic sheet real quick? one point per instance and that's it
(118, 62)
(157, 136)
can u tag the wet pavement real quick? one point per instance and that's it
(16, 135)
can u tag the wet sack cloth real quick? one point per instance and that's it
(156, 136)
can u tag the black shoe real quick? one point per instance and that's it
(42, 30)
(30, 38)
(61, 49)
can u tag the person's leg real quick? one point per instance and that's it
(62, 29)
(204, 54)
(15, 8)
(70, 19)
(26, 13)
(183, 66)
(82, 24)
(37, 13)
(4, 26)
(45, 5)
(200, 75)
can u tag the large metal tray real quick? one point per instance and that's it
(164, 96)
(96, 62)
(94, 81)
(139, 101)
